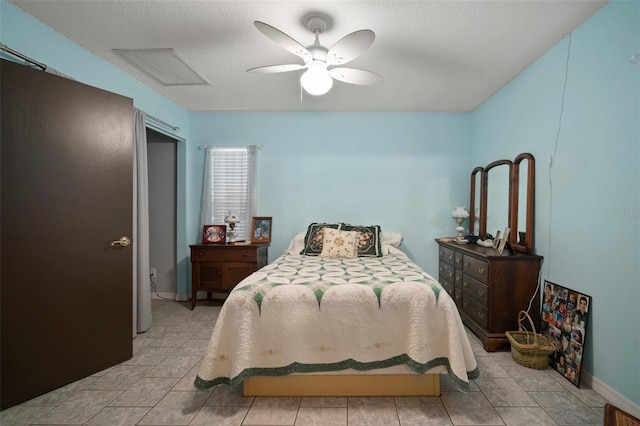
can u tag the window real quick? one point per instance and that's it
(230, 186)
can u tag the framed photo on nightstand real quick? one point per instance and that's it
(261, 229)
(214, 234)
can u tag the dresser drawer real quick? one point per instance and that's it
(475, 267)
(476, 311)
(241, 254)
(447, 255)
(458, 260)
(446, 272)
(476, 289)
(458, 280)
(448, 287)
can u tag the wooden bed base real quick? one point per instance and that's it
(343, 385)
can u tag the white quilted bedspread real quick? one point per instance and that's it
(303, 314)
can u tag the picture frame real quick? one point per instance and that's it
(214, 234)
(563, 320)
(496, 240)
(503, 240)
(261, 227)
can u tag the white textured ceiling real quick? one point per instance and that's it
(433, 55)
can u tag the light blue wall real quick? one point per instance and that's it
(404, 171)
(416, 166)
(588, 203)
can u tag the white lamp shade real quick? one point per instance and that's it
(231, 218)
(460, 212)
(316, 80)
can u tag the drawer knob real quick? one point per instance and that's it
(200, 254)
(480, 314)
(450, 274)
(246, 254)
(482, 293)
(481, 271)
(466, 262)
(465, 284)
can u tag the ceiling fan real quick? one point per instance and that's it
(318, 77)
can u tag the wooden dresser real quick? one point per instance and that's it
(489, 289)
(217, 268)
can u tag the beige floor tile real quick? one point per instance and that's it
(321, 416)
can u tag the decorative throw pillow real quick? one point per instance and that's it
(314, 237)
(339, 244)
(368, 239)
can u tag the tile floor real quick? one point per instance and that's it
(155, 387)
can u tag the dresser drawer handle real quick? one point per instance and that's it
(441, 253)
(450, 256)
(246, 254)
(466, 262)
(200, 254)
(465, 284)
(480, 315)
(481, 271)
(482, 293)
(458, 261)
(450, 274)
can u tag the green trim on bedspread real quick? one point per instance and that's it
(296, 367)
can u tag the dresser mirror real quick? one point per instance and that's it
(496, 197)
(523, 199)
(503, 194)
(474, 204)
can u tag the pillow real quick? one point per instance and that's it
(314, 237)
(368, 240)
(390, 238)
(339, 244)
(297, 243)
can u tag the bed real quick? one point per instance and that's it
(316, 322)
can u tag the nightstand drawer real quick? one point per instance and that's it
(226, 253)
(475, 267)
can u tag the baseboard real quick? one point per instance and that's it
(173, 296)
(607, 392)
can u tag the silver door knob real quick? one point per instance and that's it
(122, 242)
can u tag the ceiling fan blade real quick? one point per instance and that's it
(271, 69)
(283, 40)
(350, 47)
(355, 76)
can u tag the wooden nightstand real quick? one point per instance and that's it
(217, 268)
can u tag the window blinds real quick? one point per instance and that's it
(230, 186)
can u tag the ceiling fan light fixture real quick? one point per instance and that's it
(316, 81)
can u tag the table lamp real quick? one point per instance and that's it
(231, 219)
(460, 214)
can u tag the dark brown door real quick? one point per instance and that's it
(66, 293)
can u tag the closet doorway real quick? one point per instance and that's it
(162, 166)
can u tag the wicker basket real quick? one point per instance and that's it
(529, 348)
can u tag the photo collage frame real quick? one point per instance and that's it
(564, 319)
